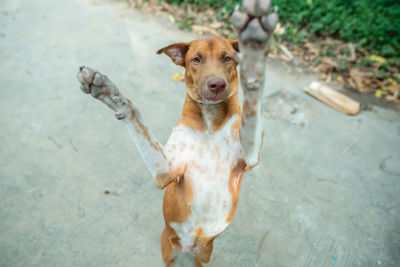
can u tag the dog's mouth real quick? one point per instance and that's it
(210, 98)
(214, 97)
(205, 96)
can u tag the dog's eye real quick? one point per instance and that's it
(196, 60)
(227, 59)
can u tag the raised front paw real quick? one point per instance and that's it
(100, 87)
(256, 23)
(93, 82)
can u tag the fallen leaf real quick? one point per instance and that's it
(167, 15)
(367, 81)
(167, 6)
(352, 52)
(395, 98)
(210, 13)
(298, 50)
(279, 29)
(329, 78)
(393, 88)
(357, 77)
(284, 57)
(329, 61)
(340, 79)
(286, 51)
(178, 77)
(216, 25)
(200, 29)
(390, 80)
(351, 83)
(378, 93)
(377, 58)
(327, 68)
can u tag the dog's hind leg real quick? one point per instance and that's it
(170, 246)
(101, 88)
(255, 26)
(202, 253)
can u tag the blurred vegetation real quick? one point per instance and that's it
(371, 24)
(355, 43)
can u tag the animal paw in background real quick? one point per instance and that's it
(256, 23)
(255, 26)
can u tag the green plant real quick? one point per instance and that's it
(371, 24)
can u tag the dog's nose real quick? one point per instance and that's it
(216, 85)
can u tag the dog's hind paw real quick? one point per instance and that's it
(255, 27)
(256, 23)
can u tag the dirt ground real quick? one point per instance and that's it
(75, 192)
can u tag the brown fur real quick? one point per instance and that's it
(211, 52)
(235, 181)
(192, 115)
(177, 201)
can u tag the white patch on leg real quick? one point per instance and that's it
(153, 158)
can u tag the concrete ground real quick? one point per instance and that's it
(75, 192)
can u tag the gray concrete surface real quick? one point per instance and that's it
(308, 204)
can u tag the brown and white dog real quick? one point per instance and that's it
(213, 143)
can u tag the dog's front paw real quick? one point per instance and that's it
(256, 24)
(100, 87)
(93, 82)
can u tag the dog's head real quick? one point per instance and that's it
(210, 63)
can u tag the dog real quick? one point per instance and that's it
(214, 142)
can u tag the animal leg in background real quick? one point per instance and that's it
(255, 26)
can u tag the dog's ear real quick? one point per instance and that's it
(235, 45)
(176, 52)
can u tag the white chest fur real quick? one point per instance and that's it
(209, 159)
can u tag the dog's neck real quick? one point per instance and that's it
(208, 117)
